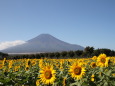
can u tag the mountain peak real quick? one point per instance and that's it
(45, 34)
(43, 43)
(42, 38)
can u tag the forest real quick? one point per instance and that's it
(86, 53)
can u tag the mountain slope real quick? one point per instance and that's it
(43, 43)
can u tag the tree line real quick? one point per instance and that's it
(3, 55)
(86, 53)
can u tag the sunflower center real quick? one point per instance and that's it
(27, 68)
(77, 71)
(48, 74)
(103, 60)
(93, 65)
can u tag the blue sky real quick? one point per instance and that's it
(82, 22)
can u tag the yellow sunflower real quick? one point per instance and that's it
(113, 74)
(64, 81)
(4, 61)
(47, 74)
(102, 60)
(1, 66)
(16, 68)
(77, 71)
(92, 78)
(93, 64)
(10, 64)
(94, 57)
(33, 62)
(41, 63)
(37, 82)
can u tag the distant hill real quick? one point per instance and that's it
(43, 43)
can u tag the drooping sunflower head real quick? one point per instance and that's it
(77, 71)
(94, 57)
(28, 62)
(47, 75)
(102, 60)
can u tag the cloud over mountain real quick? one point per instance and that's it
(7, 44)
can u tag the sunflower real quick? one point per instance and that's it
(64, 81)
(37, 82)
(102, 60)
(77, 71)
(10, 64)
(28, 62)
(1, 66)
(94, 57)
(27, 68)
(47, 74)
(41, 63)
(4, 61)
(113, 75)
(93, 65)
(16, 68)
(33, 62)
(92, 78)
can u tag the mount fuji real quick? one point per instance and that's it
(43, 43)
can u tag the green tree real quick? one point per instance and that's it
(57, 54)
(46, 54)
(63, 54)
(41, 55)
(88, 51)
(38, 56)
(51, 55)
(78, 52)
(71, 54)
(96, 52)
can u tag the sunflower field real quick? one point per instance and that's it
(95, 71)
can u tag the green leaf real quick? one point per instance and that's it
(105, 84)
(72, 84)
(108, 73)
(78, 84)
(84, 84)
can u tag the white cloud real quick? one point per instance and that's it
(7, 44)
